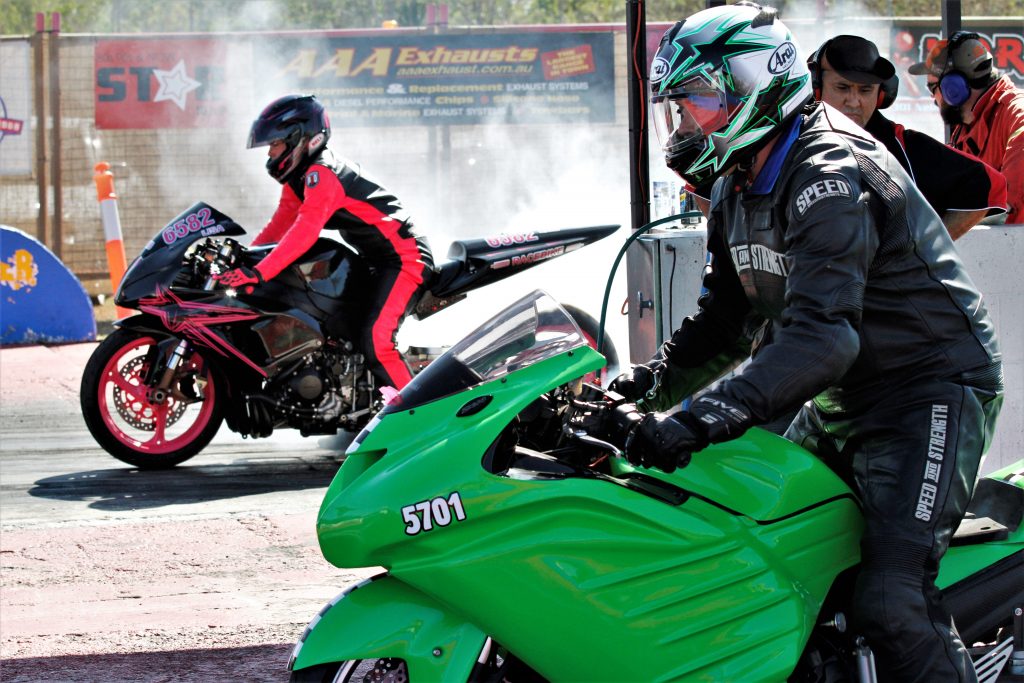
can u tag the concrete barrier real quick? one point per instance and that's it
(41, 302)
(994, 256)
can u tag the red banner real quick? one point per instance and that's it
(160, 83)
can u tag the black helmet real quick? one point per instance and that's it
(300, 122)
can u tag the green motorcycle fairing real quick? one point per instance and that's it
(381, 617)
(727, 583)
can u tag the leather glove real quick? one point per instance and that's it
(240, 277)
(720, 418)
(664, 441)
(634, 384)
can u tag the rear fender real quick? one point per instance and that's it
(383, 617)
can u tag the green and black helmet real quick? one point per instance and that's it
(722, 83)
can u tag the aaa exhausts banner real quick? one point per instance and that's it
(542, 77)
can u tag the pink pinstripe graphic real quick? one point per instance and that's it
(195, 326)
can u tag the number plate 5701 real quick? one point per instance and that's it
(427, 514)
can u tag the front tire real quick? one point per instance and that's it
(385, 670)
(121, 416)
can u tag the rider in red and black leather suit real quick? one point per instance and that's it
(323, 192)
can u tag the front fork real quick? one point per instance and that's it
(165, 359)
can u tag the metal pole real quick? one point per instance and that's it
(56, 225)
(639, 156)
(39, 80)
(950, 17)
(950, 25)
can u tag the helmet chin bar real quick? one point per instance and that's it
(283, 167)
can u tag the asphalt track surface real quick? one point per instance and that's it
(207, 572)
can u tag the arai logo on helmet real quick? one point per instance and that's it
(659, 69)
(783, 58)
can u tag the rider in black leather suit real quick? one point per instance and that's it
(828, 263)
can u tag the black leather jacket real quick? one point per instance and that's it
(842, 276)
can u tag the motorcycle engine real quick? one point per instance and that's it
(307, 383)
(325, 390)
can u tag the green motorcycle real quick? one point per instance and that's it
(518, 544)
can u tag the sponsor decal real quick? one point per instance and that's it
(659, 69)
(733, 411)
(427, 514)
(312, 178)
(829, 187)
(783, 59)
(508, 78)
(535, 256)
(572, 61)
(759, 257)
(507, 240)
(20, 270)
(933, 464)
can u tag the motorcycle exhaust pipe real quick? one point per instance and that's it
(865, 662)
(1017, 658)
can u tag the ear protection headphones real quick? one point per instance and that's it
(887, 90)
(954, 85)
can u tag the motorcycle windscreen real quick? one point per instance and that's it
(529, 331)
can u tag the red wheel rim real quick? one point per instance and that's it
(140, 424)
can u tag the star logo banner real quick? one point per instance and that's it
(178, 83)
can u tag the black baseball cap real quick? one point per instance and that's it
(857, 60)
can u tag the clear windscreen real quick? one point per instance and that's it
(529, 331)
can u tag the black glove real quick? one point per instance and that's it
(635, 384)
(720, 418)
(664, 441)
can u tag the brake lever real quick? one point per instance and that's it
(583, 437)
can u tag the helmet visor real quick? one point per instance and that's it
(264, 132)
(689, 113)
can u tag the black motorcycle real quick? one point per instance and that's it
(278, 355)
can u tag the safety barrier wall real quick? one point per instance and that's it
(993, 256)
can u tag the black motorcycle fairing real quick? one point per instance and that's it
(327, 283)
(160, 260)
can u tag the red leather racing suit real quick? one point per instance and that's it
(336, 195)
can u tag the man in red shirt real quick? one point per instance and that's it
(985, 110)
(322, 191)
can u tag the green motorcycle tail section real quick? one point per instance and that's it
(727, 583)
(962, 562)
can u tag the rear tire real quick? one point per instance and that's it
(132, 428)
